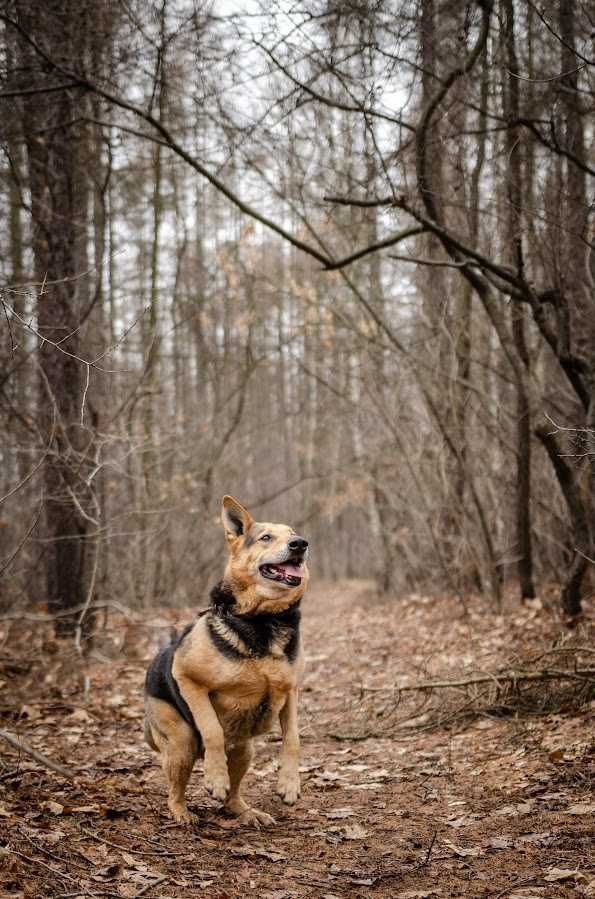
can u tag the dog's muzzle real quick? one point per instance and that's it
(290, 571)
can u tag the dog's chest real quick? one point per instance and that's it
(248, 706)
(256, 679)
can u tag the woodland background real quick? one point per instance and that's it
(333, 258)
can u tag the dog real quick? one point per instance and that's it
(231, 673)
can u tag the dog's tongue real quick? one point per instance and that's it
(288, 568)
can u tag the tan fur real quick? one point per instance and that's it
(225, 694)
(244, 560)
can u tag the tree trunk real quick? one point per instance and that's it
(54, 175)
(523, 417)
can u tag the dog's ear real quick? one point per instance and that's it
(236, 520)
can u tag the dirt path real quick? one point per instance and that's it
(501, 808)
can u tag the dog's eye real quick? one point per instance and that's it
(266, 537)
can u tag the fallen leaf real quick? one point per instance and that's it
(556, 874)
(127, 890)
(354, 832)
(540, 839)
(52, 837)
(463, 851)
(109, 872)
(418, 894)
(246, 851)
(79, 716)
(339, 813)
(464, 821)
(504, 842)
(55, 808)
(131, 714)
(581, 808)
(508, 811)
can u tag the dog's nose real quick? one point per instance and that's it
(298, 545)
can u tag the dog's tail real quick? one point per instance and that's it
(149, 736)
(167, 637)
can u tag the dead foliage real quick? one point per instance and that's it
(561, 678)
(484, 806)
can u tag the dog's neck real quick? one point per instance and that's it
(240, 636)
(225, 602)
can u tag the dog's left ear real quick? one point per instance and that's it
(236, 520)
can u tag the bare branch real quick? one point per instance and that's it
(22, 746)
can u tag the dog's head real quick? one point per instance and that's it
(267, 567)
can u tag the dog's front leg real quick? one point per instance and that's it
(288, 785)
(215, 764)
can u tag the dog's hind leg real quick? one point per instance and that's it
(177, 745)
(178, 762)
(238, 761)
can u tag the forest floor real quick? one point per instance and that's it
(486, 806)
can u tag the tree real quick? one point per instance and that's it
(431, 139)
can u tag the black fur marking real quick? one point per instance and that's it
(259, 712)
(236, 522)
(291, 650)
(257, 631)
(226, 648)
(161, 684)
(222, 597)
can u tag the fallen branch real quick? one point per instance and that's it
(38, 756)
(505, 677)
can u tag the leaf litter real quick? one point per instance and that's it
(493, 806)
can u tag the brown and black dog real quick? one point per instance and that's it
(225, 679)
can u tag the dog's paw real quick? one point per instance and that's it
(288, 788)
(253, 817)
(217, 781)
(182, 814)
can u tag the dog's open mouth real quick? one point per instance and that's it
(289, 573)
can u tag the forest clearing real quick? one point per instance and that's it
(486, 805)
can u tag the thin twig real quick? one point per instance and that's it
(95, 836)
(150, 886)
(52, 855)
(526, 881)
(28, 533)
(38, 861)
(426, 860)
(547, 80)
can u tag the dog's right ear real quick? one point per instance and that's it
(236, 520)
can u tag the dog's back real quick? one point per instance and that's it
(161, 684)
